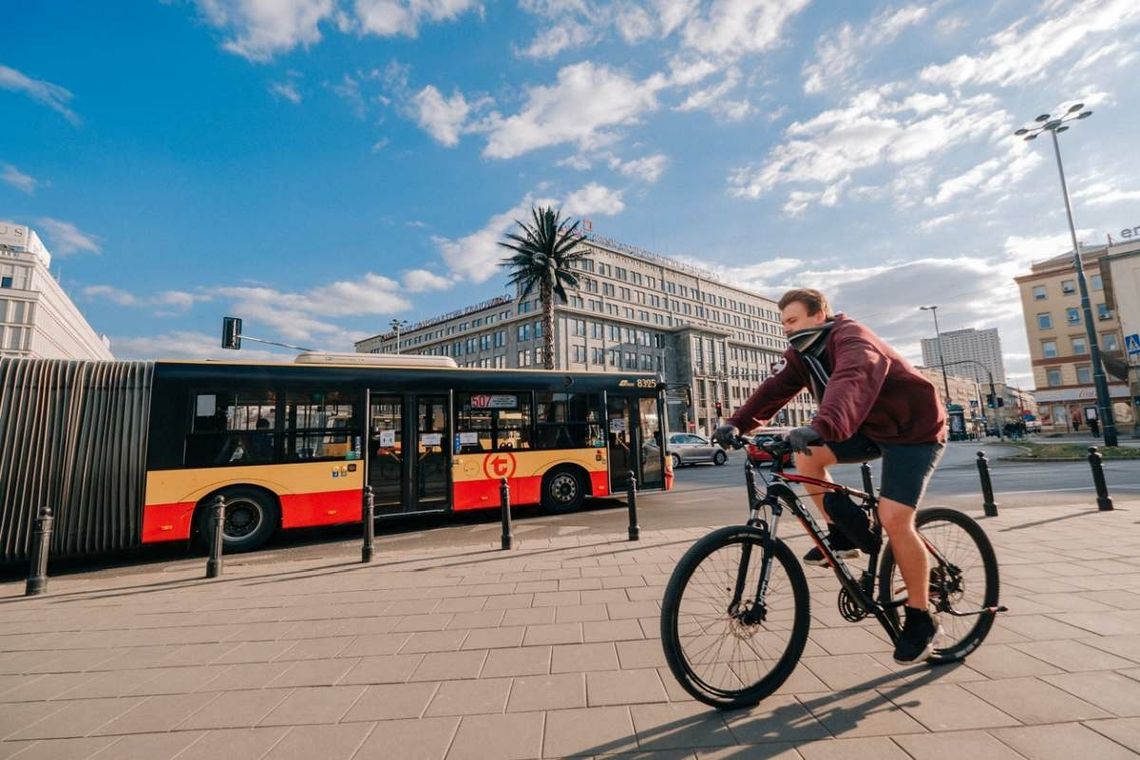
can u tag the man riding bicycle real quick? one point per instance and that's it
(872, 404)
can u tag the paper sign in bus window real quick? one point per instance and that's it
(387, 437)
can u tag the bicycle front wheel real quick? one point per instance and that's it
(963, 581)
(724, 648)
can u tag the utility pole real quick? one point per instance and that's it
(941, 356)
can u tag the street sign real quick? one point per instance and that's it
(1132, 344)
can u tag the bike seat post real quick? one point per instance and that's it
(868, 486)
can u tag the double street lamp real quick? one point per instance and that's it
(397, 325)
(1054, 126)
(941, 356)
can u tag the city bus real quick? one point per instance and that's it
(130, 453)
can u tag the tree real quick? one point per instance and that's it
(543, 253)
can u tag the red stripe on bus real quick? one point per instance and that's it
(167, 522)
(600, 483)
(303, 510)
(484, 494)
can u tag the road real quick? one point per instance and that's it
(704, 495)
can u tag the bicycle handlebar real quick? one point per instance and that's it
(775, 446)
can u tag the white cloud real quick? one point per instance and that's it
(838, 52)
(25, 183)
(421, 281)
(168, 302)
(287, 90)
(733, 28)
(1025, 51)
(586, 100)
(51, 95)
(476, 257)
(647, 168)
(563, 36)
(440, 117)
(66, 238)
(593, 199)
(715, 99)
(186, 344)
(389, 18)
(260, 29)
(989, 177)
(1104, 192)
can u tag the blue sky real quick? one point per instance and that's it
(319, 167)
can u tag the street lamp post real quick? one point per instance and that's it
(397, 325)
(993, 390)
(1046, 123)
(941, 356)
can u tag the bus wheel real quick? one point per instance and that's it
(251, 518)
(563, 490)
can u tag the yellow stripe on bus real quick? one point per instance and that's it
(177, 486)
(522, 463)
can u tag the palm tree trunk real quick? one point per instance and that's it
(546, 295)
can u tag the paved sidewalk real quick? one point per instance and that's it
(551, 650)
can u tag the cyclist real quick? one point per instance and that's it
(872, 404)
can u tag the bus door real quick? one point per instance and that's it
(634, 436)
(409, 458)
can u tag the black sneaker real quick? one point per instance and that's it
(840, 544)
(920, 631)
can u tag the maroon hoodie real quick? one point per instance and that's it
(872, 390)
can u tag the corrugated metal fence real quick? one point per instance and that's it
(73, 435)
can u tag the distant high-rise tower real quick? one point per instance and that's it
(982, 346)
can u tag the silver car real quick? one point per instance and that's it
(689, 448)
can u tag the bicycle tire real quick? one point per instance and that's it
(964, 639)
(751, 690)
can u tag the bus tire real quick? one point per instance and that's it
(563, 490)
(252, 516)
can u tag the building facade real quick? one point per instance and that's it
(1120, 270)
(961, 348)
(633, 310)
(1058, 342)
(37, 319)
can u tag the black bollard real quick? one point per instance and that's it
(41, 547)
(505, 503)
(988, 503)
(631, 498)
(1103, 503)
(369, 524)
(217, 532)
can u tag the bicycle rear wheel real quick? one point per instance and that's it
(734, 657)
(966, 581)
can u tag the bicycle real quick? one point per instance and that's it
(730, 635)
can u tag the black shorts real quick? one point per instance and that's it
(907, 467)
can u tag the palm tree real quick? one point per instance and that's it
(543, 252)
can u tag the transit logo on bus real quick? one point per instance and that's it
(494, 401)
(501, 465)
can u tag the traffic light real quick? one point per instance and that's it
(231, 333)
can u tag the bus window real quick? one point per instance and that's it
(567, 420)
(320, 425)
(232, 428)
(492, 422)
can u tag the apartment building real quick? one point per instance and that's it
(966, 353)
(634, 310)
(1120, 270)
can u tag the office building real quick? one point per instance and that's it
(37, 319)
(1120, 270)
(636, 311)
(962, 348)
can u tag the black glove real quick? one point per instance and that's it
(726, 435)
(800, 438)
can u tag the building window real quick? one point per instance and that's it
(1053, 376)
(1038, 292)
(524, 307)
(1068, 287)
(580, 328)
(598, 356)
(1049, 349)
(524, 359)
(538, 328)
(579, 354)
(1073, 315)
(5, 282)
(524, 332)
(1108, 340)
(1080, 346)
(1084, 374)
(1097, 283)
(1045, 321)
(1103, 312)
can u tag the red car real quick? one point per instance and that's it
(758, 456)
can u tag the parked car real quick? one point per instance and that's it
(758, 456)
(690, 448)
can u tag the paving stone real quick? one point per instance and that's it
(236, 709)
(258, 651)
(442, 666)
(624, 687)
(1073, 656)
(425, 739)
(752, 752)
(433, 641)
(476, 620)
(508, 601)
(846, 671)
(578, 613)
(314, 673)
(494, 638)
(946, 707)
(874, 748)
(1062, 741)
(74, 718)
(1031, 700)
(1121, 646)
(376, 644)
(612, 630)
(847, 640)
(517, 662)
(679, 726)
(59, 749)
(1124, 731)
(254, 675)
(314, 704)
(1111, 692)
(640, 654)
(571, 658)
(556, 633)
(233, 744)
(38, 687)
(955, 745)
(547, 692)
(503, 737)
(860, 713)
(395, 668)
(390, 701)
(317, 648)
(529, 616)
(592, 731)
(1005, 661)
(423, 623)
(486, 695)
(162, 713)
(148, 746)
(326, 742)
(778, 718)
(1043, 628)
